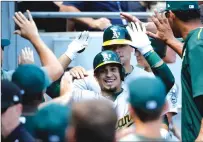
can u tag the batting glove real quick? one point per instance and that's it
(78, 45)
(139, 37)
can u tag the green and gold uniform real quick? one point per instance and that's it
(192, 84)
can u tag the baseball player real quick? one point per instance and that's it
(109, 74)
(124, 118)
(115, 38)
(146, 108)
(182, 19)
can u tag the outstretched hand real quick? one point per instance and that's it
(28, 28)
(164, 31)
(26, 56)
(139, 37)
(78, 45)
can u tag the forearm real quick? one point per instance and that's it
(48, 59)
(176, 45)
(170, 56)
(160, 69)
(87, 21)
(64, 61)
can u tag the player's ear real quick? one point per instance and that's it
(165, 108)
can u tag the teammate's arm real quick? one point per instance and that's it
(28, 30)
(100, 23)
(143, 44)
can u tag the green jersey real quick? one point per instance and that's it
(192, 84)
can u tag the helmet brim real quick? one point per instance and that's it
(105, 63)
(116, 42)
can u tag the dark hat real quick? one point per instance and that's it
(51, 122)
(11, 94)
(4, 42)
(181, 5)
(147, 94)
(31, 78)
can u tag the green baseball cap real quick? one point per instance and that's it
(181, 5)
(50, 122)
(147, 94)
(4, 42)
(31, 78)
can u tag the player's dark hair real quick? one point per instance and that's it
(188, 15)
(149, 115)
(94, 121)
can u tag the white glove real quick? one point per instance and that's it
(78, 45)
(139, 37)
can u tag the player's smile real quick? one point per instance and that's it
(109, 81)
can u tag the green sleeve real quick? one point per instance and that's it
(160, 69)
(196, 68)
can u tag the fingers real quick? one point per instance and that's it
(23, 17)
(79, 36)
(158, 16)
(17, 22)
(19, 17)
(78, 72)
(143, 28)
(156, 21)
(17, 32)
(138, 27)
(29, 15)
(129, 17)
(85, 36)
(151, 34)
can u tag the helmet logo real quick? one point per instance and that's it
(116, 34)
(106, 57)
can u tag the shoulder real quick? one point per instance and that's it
(138, 72)
(196, 39)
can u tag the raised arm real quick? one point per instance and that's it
(142, 43)
(29, 31)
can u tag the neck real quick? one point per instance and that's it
(110, 94)
(148, 69)
(149, 129)
(186, 27)
(29, 110)
(128, 67)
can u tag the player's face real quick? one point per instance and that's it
(171, 19)
(124, 51)
(141, 60)
(108, 78)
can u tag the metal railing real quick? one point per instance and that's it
(111, 15)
